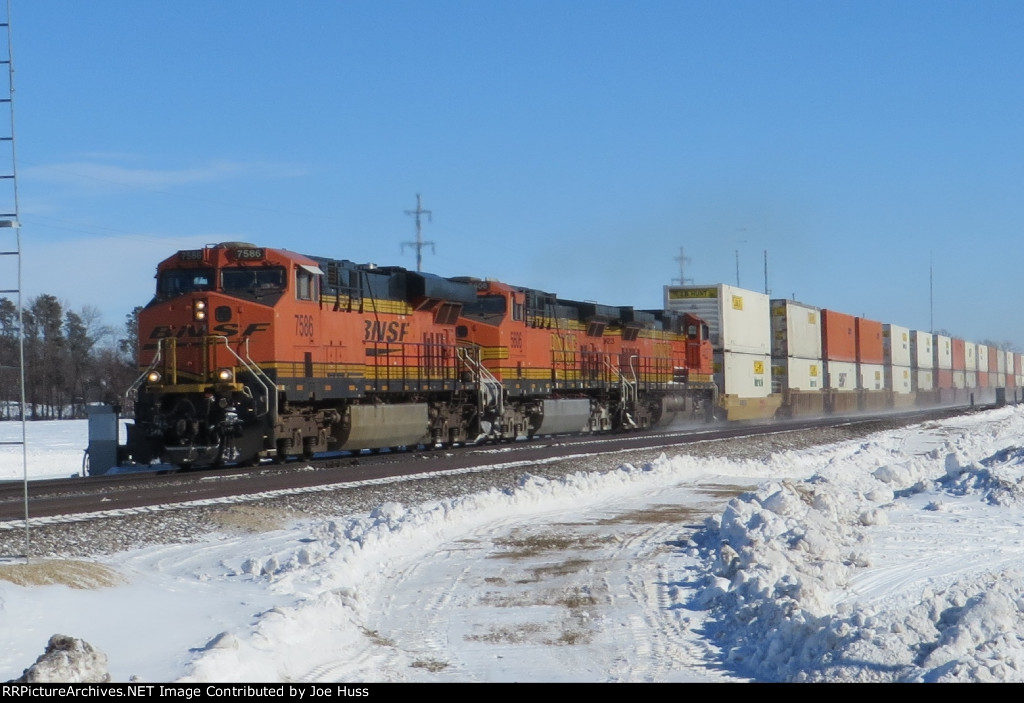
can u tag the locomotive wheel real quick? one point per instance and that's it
(282, 451)
(307, 447)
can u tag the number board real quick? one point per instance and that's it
(247, 254)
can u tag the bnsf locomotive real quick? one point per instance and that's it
(249, 352)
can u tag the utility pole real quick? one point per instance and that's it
(766, 291)
(419, 243)
(741, 241)
(683, 259)
(931, 295)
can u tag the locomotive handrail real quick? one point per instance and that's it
(269, 387)
(134, 387)
(488, 382)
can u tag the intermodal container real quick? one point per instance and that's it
(896, 343)
(899, 379)
(954, 379)
(970, 356)
(838, 337)
(994, 357)
(924, 380)
(871, 377)
(738, 320)
(796, 329)
(796, 374)
(870, 347)
(983, 357)
(743, 375)
(841, 375)
(944, 353)
(970, 379)
(921, 354)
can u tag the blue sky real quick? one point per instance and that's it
(572, 146)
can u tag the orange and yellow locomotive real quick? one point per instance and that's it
(249, 352)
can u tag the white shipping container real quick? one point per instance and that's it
(841, 375)
(796, 329)
(743, 375)
(922, 355)
(943, 352)
(982, 358)
(924, 380)
(898, 379)
(797, 374)
(959, 379)
(1000, 380)
(970, 379)
(738, 320)
(896, 344)
(871, 377)
(1001, 360)
(971, 357)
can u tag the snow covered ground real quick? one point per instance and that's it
(892, 558)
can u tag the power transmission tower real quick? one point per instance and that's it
(419, 243)
(683, 260)
(10, 247)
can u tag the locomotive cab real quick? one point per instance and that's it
(202, 398)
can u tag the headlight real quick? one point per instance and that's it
(199, 310)
(225, 375)
(153, 377)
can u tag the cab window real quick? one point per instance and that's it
(248, 279)
(174, 282)
(305, 285)
(485, 305)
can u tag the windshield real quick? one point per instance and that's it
(176, 282)
(485, 305)
(248, 279)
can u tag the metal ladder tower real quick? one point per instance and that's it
(419, 243)
(12, 352)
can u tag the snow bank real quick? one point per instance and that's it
(789, 579)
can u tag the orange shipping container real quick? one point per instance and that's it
(945, 378)
(993, 359)
(870, 345)
(959, 359)
(838, 336)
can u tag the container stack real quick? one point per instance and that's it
(985, 373)
(898, 364)
(970, 365)
(839, 351)
(922, 365)
(1019, 372)
(870, 364)
(798, 371)
(739, 324)
(959, 369)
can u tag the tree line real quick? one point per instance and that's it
(71, 359)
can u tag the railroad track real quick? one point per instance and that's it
(82, 498)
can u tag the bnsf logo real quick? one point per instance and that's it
(227, 329)
(377, 331)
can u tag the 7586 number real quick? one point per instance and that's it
(304, 325)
